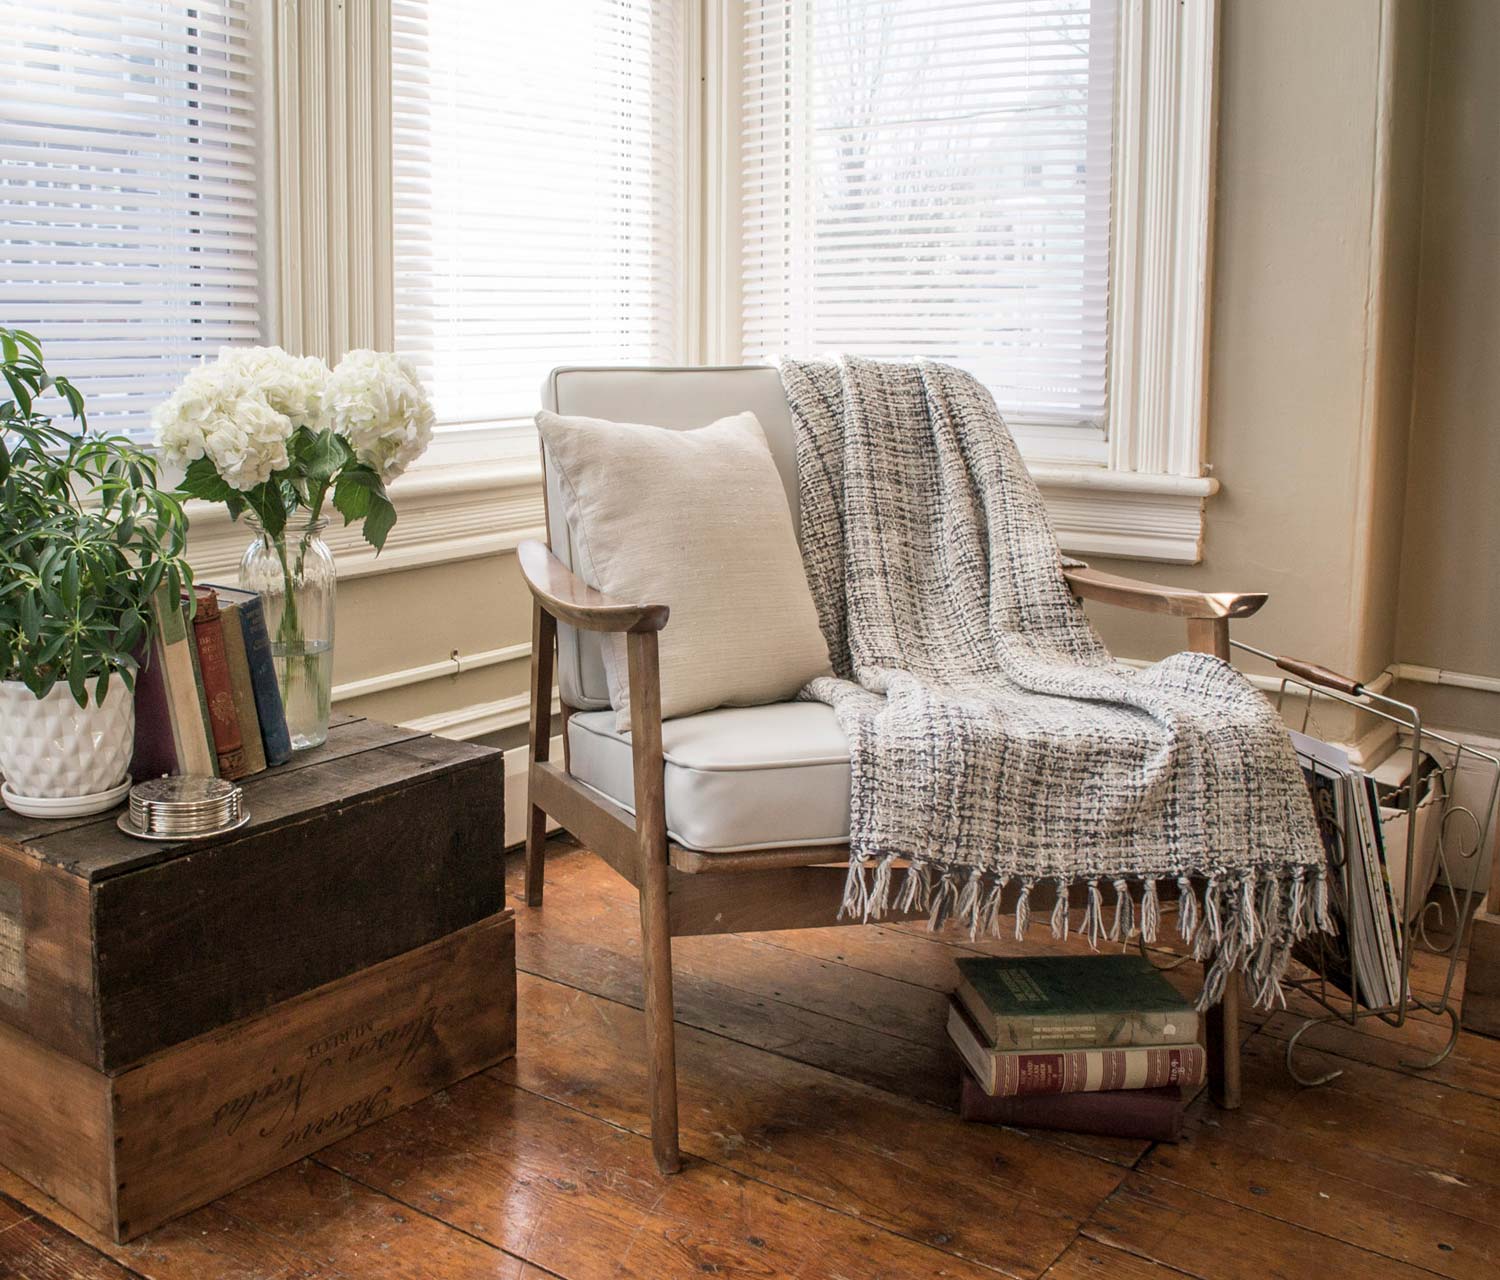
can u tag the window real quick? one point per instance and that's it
(933, 178)
(538, 188)
(1021, 187)
(128, 173)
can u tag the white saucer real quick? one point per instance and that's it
(64, 806)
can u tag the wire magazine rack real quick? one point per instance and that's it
(1461, 835)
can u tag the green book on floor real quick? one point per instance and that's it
(1073, 1002)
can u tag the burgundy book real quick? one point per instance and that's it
(155, 743)
(1152, 1114)
(218, 692)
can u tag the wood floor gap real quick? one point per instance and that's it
(435, 1219)
(759, 1181)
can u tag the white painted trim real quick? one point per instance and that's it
(478, 718)
(517, 766)
(1100, 512)
(455, 664)
(1441, 675)
(332, 104)
(1163, 226)
(443, 514)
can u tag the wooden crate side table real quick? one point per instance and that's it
(178, 1019)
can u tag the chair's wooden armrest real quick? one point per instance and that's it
(1151, 597)
(568, 599)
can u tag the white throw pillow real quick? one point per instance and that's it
(696, 520)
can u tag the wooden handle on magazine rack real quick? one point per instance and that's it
(1315, 674)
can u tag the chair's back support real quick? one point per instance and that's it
(676, 398)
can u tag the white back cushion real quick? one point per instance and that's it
(677, 398)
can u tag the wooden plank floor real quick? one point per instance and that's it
(815, 1093)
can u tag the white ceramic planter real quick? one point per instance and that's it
(51, 747)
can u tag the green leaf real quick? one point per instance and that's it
(76, 678)
(359, 494)
(200, 480)
(326, 454)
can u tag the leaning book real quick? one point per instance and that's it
(1073, 1002)
(1011, 1073)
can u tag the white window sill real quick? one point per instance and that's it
(478, 492)
(1139, 516)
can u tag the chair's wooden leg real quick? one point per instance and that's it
(543, 643)
(656, 928)
(1211, 635)
(1223, 1034)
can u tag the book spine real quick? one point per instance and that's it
(1075, 1031)
(1151, 1114)
(155, 747)
(179, 672)
(1094, 1070)
(218, 697)
(273, 731)
(199, 693)
(242, 688)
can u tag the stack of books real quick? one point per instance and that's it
(1362, 957)
(206, 698)
(1092, 1044)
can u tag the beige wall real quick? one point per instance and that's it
(1323, 287)
(1295, 350)
(1450, 576)
(396, 621)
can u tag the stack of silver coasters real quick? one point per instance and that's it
(183, 808)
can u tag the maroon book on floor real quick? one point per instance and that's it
(1152, 1114)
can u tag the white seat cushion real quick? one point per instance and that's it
(765, 777)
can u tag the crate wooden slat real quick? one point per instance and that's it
(378, 842)
(128, 1151)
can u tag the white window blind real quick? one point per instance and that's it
(128, 180)
(932, 178)
(538, 181)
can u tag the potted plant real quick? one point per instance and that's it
(86, 538)
(279, 436)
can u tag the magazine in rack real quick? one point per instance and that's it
(1363, 955)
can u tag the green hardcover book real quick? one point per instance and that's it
(1073, 1002)
(193, 748)
(210, 767)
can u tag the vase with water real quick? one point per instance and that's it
(294, 575)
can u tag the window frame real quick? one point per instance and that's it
(1139, 493)
(1135, 489)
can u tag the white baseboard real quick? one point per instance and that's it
(516, 760)
(476, 719)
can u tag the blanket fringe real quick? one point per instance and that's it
(1246, 922)
(1150, 911)
(1124, 924)
(1093, 916)
(1187, 909)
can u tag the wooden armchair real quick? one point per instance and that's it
(706, 827)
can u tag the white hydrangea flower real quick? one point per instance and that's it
(291, 385)
(220, 413)
(376, 402)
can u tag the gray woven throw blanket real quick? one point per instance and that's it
(994, 742)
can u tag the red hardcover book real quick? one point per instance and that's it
(1151, 1114)
(218, 693)
(1012, 1073)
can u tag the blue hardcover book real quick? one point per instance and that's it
(273, 730)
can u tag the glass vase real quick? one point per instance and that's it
(294, 575)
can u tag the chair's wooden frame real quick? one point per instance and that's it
(684, 892)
